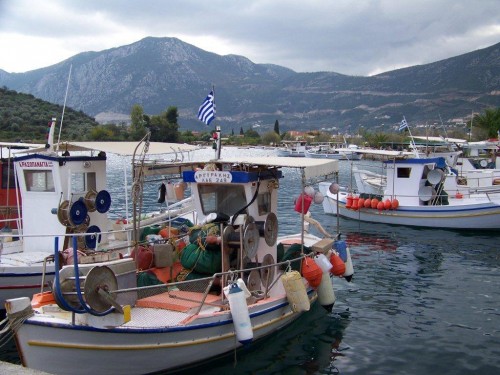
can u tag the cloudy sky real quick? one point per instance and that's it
(355, 37)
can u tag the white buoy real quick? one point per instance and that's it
(240, 314)
(323, 262)
(309, 190)
(326, 294)
(243, 287)
(349, 268)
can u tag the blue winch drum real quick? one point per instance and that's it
(91, 238)
(78, 213)
(102, 201)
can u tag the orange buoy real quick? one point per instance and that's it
(395, 204)
(338, 265)
(375, 202)
(380, 206)
(368, 203)
(387, 204)
(361, 203)
(348, 203)
(355, 200)
(458, 195)
(311, 272)
(168, 232)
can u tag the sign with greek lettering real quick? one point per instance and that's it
(214, 177)
(36, 164)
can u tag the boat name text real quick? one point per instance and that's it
(35, 164)
(213, 176)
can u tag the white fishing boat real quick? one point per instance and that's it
(324, 151)
(420, 192)
(236, 281)
(61, 190)
(294, 149)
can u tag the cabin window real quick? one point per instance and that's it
(404, 172)
(8, 174)
(39, 180)
(264, 203)
(83, 182)
(226, 199)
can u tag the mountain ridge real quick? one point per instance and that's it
(160, 72)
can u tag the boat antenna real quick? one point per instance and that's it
(64, 107)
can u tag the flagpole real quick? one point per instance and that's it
(217, 132)
(411, 139)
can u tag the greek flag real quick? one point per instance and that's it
(403, 124)
(206, 113)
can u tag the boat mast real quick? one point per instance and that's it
(64, 107)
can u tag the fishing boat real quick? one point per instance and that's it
(294, 149)
(324, 151)
(334, 151)
(215, 284)
(422, 192)
(62, 190)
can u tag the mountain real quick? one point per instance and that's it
(161, 72)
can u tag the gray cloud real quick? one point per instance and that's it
(359, 37)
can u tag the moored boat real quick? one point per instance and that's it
(235, 280)
(420, 192)
(63, 192)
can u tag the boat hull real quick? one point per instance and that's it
(84, 350)
(16, 282)
(482, 216)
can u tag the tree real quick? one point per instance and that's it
(489, 121)
(241, 131)
(271, 138)
(277, 127)
(137, 128)
(164, 127)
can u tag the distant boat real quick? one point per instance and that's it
(295, 149)
(420, 192)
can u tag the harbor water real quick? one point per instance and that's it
(422, 301)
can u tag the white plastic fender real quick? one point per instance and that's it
(349, 268)
(240, 314)
(323, 262)
(243, 287)
(326, 294)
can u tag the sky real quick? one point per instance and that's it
(353, 37)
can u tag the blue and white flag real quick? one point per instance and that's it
(403, 124)
(206, 113)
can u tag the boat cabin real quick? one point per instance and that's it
(416, 182)
(61, 194)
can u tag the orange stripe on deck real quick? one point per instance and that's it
(177, 300)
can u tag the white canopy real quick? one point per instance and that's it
(119, 148)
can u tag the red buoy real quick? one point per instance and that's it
(395, 204)
(311, 272)
(375, 202)
(348, 203)
(368, 203)
(338, 264)
(355, 200)
(361, 203)
(380, 206)
(387, 204)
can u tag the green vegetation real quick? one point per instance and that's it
(24, 117)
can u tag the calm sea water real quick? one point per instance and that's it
(421, 302)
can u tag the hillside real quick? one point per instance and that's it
(160, 72)
(25, 118)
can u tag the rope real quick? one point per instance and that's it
(12, 324)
